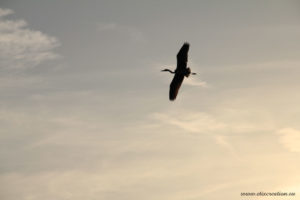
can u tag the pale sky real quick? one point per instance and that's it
(84, 108)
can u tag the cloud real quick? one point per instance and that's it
(4, 12)
(56, 155)
(219, 125)
(141, 182)
(191, 122)
(107, 27)
(133, 33)
(194, 82)
(199, 123)
(258, 67)
(290, 138)
(21, 47)
(202, 122)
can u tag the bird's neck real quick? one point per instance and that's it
(168, 70)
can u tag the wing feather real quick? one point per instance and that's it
(182, 56)
(175, 85)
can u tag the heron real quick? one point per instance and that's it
(181, 71)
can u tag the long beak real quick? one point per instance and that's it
(194, 73)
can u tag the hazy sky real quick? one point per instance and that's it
(84, 109)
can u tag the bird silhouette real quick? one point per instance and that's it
(181, 71)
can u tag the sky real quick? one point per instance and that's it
(84, 108)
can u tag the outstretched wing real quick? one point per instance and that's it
(175, 85)
(182, 56)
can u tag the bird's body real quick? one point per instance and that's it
(181, 71)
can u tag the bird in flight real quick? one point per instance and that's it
(181, 71)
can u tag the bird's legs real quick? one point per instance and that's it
(188, 72)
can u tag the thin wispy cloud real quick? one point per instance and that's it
(191, 122)
(4, 12)
(22, 47)
(132, 32)
(290, 138)
(267, 66)
(196, 82)
(200, 123)
(220, 128)
(107, 27)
